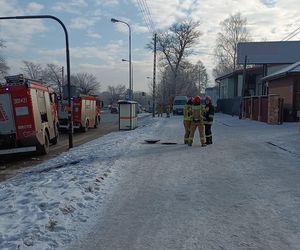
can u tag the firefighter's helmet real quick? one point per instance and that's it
(196, 100)
(208, 98)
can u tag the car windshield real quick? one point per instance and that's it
(179, 102)
(149, 124)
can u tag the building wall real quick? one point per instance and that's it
(230, 88)
(284, 88)
(213, 93)
(224, 89)
(240, 85)
(258, 85)
(297, 93)
(274, 68)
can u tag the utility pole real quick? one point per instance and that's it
(199, 72)
(62, 80)
(154, 75)
(243, 89)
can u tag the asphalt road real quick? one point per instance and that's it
(10, 165)
(239, 193)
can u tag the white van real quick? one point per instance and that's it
(178, 104)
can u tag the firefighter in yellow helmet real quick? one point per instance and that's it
(187, 119)
(197, 121)
(208, 120)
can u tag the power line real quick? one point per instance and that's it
(146, 14)
(292, 34)
(149, 14)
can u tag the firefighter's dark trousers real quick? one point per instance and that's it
(208, 133)
(194, 126)
(187, 128)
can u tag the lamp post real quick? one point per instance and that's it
(131, 88)
(113, 20)
(70, 120)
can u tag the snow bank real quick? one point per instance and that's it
(42, 208)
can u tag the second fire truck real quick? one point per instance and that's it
(86, 113)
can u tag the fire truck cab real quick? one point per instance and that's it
(28, 116)
(86, 113)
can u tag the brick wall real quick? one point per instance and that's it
(284, 88)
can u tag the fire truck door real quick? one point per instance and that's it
(49, 115)
(7, 122)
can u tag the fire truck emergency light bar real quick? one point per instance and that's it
(15, 80)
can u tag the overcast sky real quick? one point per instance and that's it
(97, 45)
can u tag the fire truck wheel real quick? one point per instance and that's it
(44, 149)
(86, 128)
(55, 140)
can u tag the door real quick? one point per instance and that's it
(7, 121)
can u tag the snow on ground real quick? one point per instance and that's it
(47, 206)
(40, 207)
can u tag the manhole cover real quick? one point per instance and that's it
(152, 141)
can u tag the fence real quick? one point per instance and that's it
(263, 108)
(229, 106)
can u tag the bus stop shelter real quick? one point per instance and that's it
(128, 115)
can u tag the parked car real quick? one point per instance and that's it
(178, 104)
(114, 110)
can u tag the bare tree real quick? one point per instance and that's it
(191, 80)
(86, 83)
(233, 30)
(116, 92)
(53, 76)
(3, 65)
(201, 76)
(32, 70)
(176, 45)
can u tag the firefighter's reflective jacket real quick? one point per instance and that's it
(209, 114)
(197, 113)
(187, 112)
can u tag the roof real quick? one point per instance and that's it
(239, 71)
(293, 68)
(126, 102)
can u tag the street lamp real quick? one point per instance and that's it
(70, 117)
(113, 20)
(130, 90)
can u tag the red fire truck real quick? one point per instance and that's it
(28, 116)
(86, 113)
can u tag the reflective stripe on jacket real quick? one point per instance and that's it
(187, 112)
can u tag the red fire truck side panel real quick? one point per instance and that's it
(23, 113)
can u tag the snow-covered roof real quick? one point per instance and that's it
(293, 68)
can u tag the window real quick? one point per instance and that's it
(179, 102)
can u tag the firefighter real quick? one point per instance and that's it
(187, 119)
(197, 121)
(208, 119)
